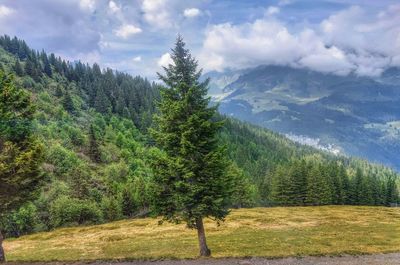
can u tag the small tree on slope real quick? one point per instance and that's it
(190, 174)
(20, 152)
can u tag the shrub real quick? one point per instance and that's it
(66, 211)
(117, 172)
(21, 222)
(63, 159)
(111, 209)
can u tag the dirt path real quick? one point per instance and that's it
(381, 259)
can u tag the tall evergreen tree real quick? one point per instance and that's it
(298, 183)
(68, 103)
(357, 188)
(190, 178)
(20, 152)
(392, 195)
(101, 102)
(59, 92)
(280, 193)
(29, 68)
(94, 151)
(47, 67)
(345, 185)
(18, 68)
(318, 188)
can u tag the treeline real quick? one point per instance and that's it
(313, 181)
(106, 91)
(288, 174)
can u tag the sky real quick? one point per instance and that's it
(135, 36)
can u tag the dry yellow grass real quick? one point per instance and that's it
(268, 232)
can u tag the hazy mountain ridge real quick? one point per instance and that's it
(359, 115)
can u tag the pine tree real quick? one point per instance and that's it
(334, 179)
(68, 103)
(94, 151)
(298, 183)
(101, 103)
(242, 189)
(344, 185)
(29, 68)
(59, 92)
(18, 68)
(318, 188)
(47, 68)
(120, 104)
(391, 192)
(280, 190)
(357, 188)
(190, 174)
(129, 205)
(367, 196)
(20, 152)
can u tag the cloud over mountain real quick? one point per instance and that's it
(328, 35)
(352, 40)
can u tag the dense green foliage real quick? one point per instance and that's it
(98, 152)
(95, 162)
(307, 182)
(21, 153)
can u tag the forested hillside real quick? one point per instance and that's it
(94, 124)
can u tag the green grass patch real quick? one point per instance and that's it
(265, 232)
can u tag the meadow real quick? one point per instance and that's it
(262, 232)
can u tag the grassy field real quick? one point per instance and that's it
(267, 232)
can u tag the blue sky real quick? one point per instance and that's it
(135, 36)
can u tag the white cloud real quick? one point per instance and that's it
(356, 29)
(88, 5)
(5, 11)
(272, 10)
(137, 59)
(191, 12)
(262, 42)
(371, 40)
(268, 41)
(114, 8)
(157, 14)
(127, 30)
(352, 40)
(165, 60)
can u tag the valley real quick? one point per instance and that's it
(357, 115)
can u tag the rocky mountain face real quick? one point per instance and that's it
(344, 114)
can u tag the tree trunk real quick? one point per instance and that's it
(2, 256)
(204, 250)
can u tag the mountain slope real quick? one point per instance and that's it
(357, 115)
(94, 124)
